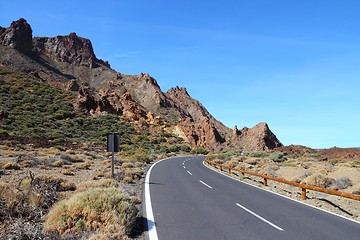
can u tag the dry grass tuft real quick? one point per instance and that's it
(68, 172)
(11, 166)
(83, 166)
(103, 210)
(60, 163)
(67, 186)
(319, 180)
(27, 163)
(72, 158)
(105, 183)
(127, 179)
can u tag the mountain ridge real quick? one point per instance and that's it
(69, 62)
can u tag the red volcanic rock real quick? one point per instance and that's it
(71, 49)
(198, 125)
(259, 137)
(17, 36)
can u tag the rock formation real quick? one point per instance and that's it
(69, 62)
(17, 36)
(259, 138)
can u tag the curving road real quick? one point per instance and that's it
(186, 200)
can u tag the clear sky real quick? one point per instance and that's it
(293, 64)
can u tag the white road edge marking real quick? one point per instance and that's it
(205, 184)
(189, 173)
(151, 225)
(149, 212)
(260, 217)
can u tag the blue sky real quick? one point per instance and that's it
(292, 64)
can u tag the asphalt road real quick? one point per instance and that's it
(189, 201)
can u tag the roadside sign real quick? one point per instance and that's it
(113, 142)
(113, 145)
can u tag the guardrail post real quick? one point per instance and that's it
(265, 182)
(230, 171)
(303, 193)
(221, 168)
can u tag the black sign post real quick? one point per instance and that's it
(113, 145)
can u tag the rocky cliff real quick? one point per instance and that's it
(69, 62)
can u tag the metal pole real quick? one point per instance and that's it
(112, 165)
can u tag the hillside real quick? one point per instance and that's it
(68, 62)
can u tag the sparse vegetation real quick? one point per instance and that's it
(278, 156)
(342, 183)
(108, 211)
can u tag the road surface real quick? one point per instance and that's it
(186, 200)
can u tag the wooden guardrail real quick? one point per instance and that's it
(303, 186)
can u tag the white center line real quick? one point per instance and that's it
(205, 184)
(184, 167)
(189, 173)
(261, 218)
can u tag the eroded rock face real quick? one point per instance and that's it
(259, 137)
(71, 49)
(198, 125)
(17, 36)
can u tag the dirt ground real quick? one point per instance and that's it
(75, 169)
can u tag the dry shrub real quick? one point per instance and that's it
(71, 158)
(68, 172)
(56, 182)
(27, 163)
(70, 151)
(105, 183)
(99, 209)
(29, 198)
(11, 165)
(232, 163)
(107, 173)
(132, 174)
(318, 180)
(126, 165)
(127, 179)
(61, 163)
(218, 161)
(68, 186)
(341, 183)
(99, 175)
(269, 170)
(252, 161)
(66, 167)
(112, 232)
(140, 164)
(83, 166)
(8, 200)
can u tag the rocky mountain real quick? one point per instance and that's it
(69, 62)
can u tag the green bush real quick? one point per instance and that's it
(278, 156)
(259, 154)
(199, 150)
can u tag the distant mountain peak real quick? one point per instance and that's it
(69, 62)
